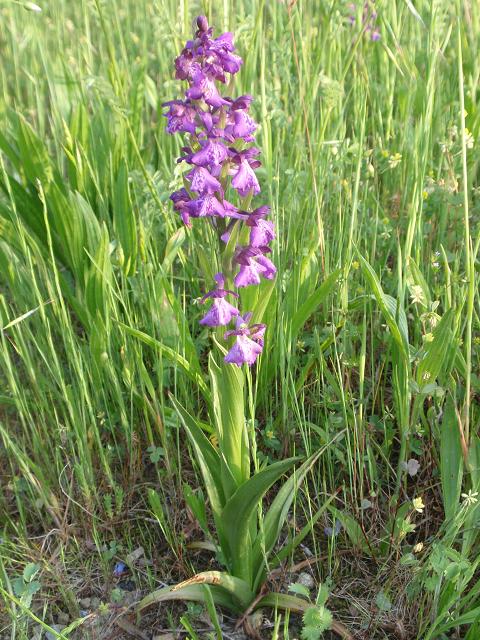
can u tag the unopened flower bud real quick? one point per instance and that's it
(202, 23)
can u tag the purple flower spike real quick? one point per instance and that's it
(219, 154)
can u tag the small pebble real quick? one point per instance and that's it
(306, 580)
(56, 627)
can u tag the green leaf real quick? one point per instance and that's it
(239, 511)
(209, 462)
(124, 220)
(197, 506)
(173, 356)
(316, 620)
(226, 591)
(98, 278)
(275, 517)
(174, 245)
(435, 352)
(313, 301)
(382, 601)
(299, 589)
(451, 460)
(353, 529)
(283, 601)
(30, 571)
(389, 308)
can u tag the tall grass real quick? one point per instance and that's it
(373, 323)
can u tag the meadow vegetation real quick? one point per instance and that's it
(370, 165)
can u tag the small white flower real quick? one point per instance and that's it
(470, 498)
(417, 294)
(418, 505)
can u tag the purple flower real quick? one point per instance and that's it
(248, 341)
(242, 125)
(206, 205)
(186, 65)
(180, 201)
(204, 88)
(201, 181)
(202, 24)
(213, 122)
(221, 312)
(253, 264)
(245, 181)
(180, 116)
(262, 231)
(212, 153)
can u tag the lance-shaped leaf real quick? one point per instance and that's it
(313, 301)
(435, 352)
(124, 220)
(275, 517)
(451, 460)
(209, 462)
(290, 546)
(394, 316)
(239, 511)
(173, 356)
(227, 591)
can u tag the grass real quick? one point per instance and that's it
(374, 331)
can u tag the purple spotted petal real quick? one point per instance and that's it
(206, 205)
(268, 268)
(201, 181)
(248, 274)
(212, 153)
(262, 233)
(204, 87)
(180, 116)
(245, 181)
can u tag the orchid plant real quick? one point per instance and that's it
(221, 160)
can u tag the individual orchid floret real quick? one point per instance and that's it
(245, 181)
(205, 206)
(248, 341)
(221, 312)
(211, 154)
(180, 200)
(218, 130)
(204, 88)
(181, 116)
(202, 181)
(262, 231)
(253, 264)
